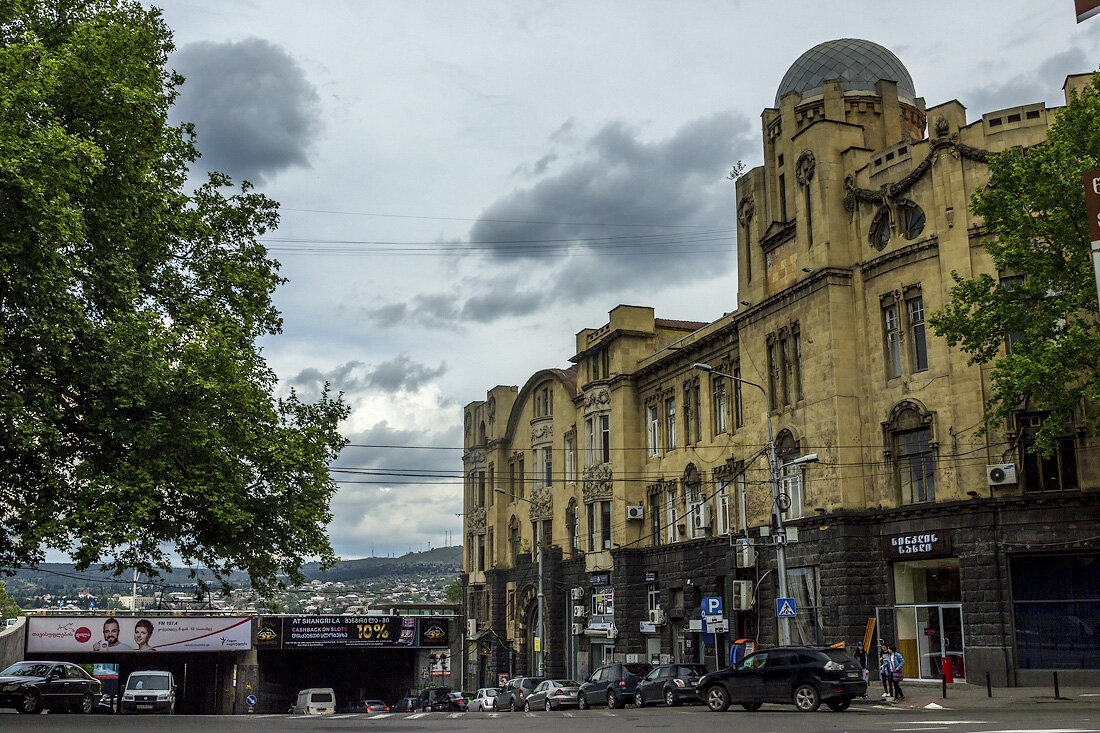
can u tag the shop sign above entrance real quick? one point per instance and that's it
(916, 544)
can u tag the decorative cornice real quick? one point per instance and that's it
(597, 483)
(908, 254)
(661, 486)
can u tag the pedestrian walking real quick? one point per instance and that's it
(884, 671)
(895, 662)
(861, 657)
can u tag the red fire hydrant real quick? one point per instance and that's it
(948, 669)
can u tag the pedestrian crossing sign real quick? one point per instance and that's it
(784, 607)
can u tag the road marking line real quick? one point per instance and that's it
(382, 715)
(568, 715)
(416, 715)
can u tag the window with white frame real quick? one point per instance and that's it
(673, 513)
(605, 438)
(605, 524)
(590, 441)
(652, 597)
(720, 417)
(547, 467)
(670, 423)
(722, 501)
(570, 460)
(653, 434)
(738, 403)
(655, 517)
(790, 478)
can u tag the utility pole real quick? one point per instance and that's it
(776, 472)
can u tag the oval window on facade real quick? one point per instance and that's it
(911, 221)
(880, 229)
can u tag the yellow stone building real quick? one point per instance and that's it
(649, 475)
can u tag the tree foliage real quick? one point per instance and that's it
(1034, 212)
(138, 419)
(8, 607)
(453, 592)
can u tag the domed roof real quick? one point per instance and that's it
(859, 63)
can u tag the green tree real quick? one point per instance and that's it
(8, 607)
(453, 592)
(1034, 212)
(137, 416)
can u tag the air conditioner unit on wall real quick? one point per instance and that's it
(657, 617)
(471, 626)
(580, 611)
(576, 593)
(635, 512)
(578, 629)
(1000, 474)
(742, 594)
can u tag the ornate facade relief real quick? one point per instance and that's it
(542, 503)
(804, 168)
(745, 210)
(597, 483)
(476, 521)
(543, 432)
(597, 399)
(475, 457)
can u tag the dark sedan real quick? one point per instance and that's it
(803, 676)
(671, 684)
(31, 687)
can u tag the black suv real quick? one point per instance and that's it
(437, 699)
(515, 693)
(671, 684)
(801, 675)
(613, 683)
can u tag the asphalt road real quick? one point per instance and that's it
(770, 719)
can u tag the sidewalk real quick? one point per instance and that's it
(961, 696)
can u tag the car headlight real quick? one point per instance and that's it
(127, 696)
(162, 696)
(832, 666)
(11, 687)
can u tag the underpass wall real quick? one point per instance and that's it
(13, 641)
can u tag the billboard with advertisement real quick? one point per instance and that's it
(303, 632)
(129, 634)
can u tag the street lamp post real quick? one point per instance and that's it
(775, 470)
(540, 638)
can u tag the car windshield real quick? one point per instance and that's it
(374, 702)
(566, 683)
(147, 682)
(837, 655)
(27, 669)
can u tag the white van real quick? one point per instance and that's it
(149, 691)
(315, 701)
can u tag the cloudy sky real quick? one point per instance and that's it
(465, 184)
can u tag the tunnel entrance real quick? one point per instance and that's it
(354, 675)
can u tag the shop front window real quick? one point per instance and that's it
(928, 616)
(1056, 610)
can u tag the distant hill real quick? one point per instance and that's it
(63, 579)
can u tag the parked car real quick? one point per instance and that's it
(671, 684)
(516, 690)
(149, 691)
(552, 695)
(315, 701)
(798, 675)
(405, 705)
(367, 706)
(612, 683)
(482, 700)
(440, 698)
(31, 687)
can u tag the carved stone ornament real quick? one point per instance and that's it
(804, 168)
(542, 433)
(475, 456)
(476, 520)
(942, 128)
(745, 209)
(542, 504)
(597, 483)
(597, 399)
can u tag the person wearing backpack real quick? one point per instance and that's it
(896, 662)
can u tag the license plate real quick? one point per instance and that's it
(144, 707)
(853, 674)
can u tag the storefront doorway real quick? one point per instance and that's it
(926, 621)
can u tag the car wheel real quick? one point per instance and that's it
(718, 700)
(87, 703)
(549, 707)
(511, 705)
(30, 702)
(582, 702)
(670, 699)
(806, 698)
(751, 706)
(839, 705)
(612, 701)
(639, 699)
(527, 706)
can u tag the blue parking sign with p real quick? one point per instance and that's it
(712, 606)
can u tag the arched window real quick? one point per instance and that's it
(880, 229)
(909, 432)
(790, 479)
(910, 220)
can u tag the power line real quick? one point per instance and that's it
(495, 221)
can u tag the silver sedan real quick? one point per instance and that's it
(552, 695)
(485, 699)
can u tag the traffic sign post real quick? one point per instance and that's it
(713, 622)
(785, 608)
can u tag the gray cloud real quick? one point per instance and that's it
(254, 110)
(398, 374)
(623, 213)
(1043, 83)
